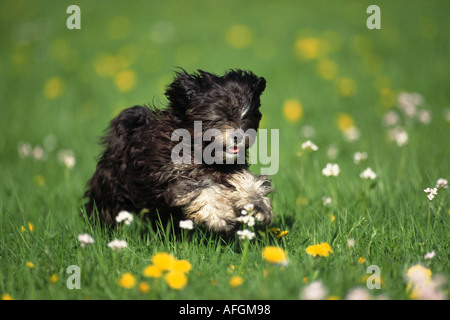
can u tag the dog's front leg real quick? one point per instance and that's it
(206, 203)
(251, 189)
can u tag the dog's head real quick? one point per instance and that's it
(228, 104)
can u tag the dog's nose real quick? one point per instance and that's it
(238, 138)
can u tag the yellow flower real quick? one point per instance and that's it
(53, 87)
(323, 250)
(361, 260)
(333, 298)
(30, 264)
(163, 261)
(125, 80)
(292, 110)
(346, 87)
(307, 48)
(236, 281)
(127, 280)
(418, 273)
(275, 230)
(6, 296)
(176, 279)
(143, 287)
(152, 271)
(344, 122)
(274, 255)
(239, 36)
(30, 227)
(182, 266)
(54, 278)
(282, 233)
(39, 180)
(327, 69)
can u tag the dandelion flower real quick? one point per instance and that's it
(125, 80)
(125, 217)
(127, 280)
(164, 261)
(6, 296)
(176, 280)
(236, 281)
(186, 224)
(331, 169)
(117, 244)
(345, 121)
(239, 36)
(275, 255)
(314, 291)
(53, 87)
(182, 266)
(30, 264)
(308, 145)
(361, 260)
(282, 234)
(54, 278)
(368, 174)
(30, 227)
(322, 250)
(152, 272)
(292, 110)
(85, 239)
(418, 274)
(143, 287)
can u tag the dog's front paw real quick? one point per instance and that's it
(261, 209)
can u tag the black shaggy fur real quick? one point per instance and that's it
(135, 171)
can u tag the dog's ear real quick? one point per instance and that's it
(259, 86)
(181, 90)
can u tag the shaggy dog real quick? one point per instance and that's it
(140, 169)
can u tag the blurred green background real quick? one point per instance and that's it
(326, 73)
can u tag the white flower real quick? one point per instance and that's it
(332, 169)
(247, 219)
(358, 294)
(327, 201)
(24, 149)
(391, 118)
(85, 239)
(442, 184)
(124, 216)
(117, 244)
(399, 135)
(352, 134)
(351, 242)
(187, 224)
(314, 291)
(368, 174)
(424, 116)
(429, 255)
(359, 156)
(67, 158)
(249, 207)
(431, 192)
(308, 145)
(38, 153)
(245, 234)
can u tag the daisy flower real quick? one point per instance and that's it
(314, 291)
(245, 234)
(431, 192)
(331, 169)
(308, 145)
(429, 255)
(187, 224)
(125, 217)
(85, 239)
(358, 157)
(368, 174)
(442, 183)
(117, 244)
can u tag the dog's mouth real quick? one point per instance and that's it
(233, 150)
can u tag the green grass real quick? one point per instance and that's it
(391, 220)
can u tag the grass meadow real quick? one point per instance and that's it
(380, 94)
